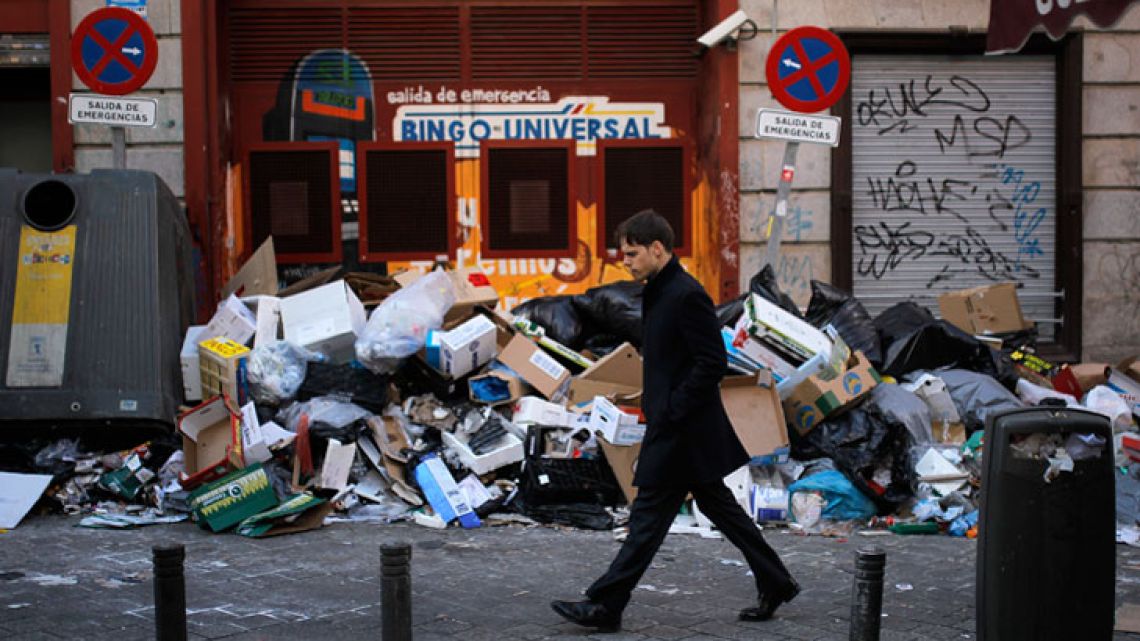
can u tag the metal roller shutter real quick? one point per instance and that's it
(953, 177)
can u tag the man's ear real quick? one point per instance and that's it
(658, 248)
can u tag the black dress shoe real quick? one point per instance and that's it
(589, 614)
(767, 605)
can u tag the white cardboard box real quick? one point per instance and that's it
(510, 450)
(232, 320)
(467, 347)
(254, 449)
(326, 319)
(536, 411)
(615, 425)
(191, 376)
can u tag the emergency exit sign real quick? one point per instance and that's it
(112, 110)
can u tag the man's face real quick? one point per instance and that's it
(643, 261)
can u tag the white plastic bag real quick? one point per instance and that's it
(277, 370)
(399, 326)
(1102, 400)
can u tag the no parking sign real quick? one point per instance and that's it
(808, 69)
(113, 51)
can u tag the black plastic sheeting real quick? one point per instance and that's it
(913, 340)
(612, 310)
(764, 284)
(859, 441)
(831, 305)
(557, 315)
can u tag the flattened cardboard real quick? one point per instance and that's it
(535, 366)
(232, 499)
(298, 513)
(623, 461)
(754, 409)
(257, 276)
(322, 277)
(18, 494)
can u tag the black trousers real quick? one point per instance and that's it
(651, 515)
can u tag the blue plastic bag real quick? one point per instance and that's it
(844, 502)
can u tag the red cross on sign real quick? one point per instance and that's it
(114, 51)
(808, 69)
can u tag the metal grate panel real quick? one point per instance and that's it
(528, 199)
(291, 198)
(638, 178)
(403, 43)
(636, 41)
(526, 42)
(407, 202)
(265, 43)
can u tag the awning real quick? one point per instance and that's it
(1012, 21)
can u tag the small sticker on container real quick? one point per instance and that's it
(128, 405)
(548, 365)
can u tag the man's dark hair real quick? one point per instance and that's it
(643, 228)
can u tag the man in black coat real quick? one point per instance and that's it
(689, 444)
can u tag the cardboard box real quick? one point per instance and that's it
(298, 513)
(191, 375)
(257, 276)
(232, 499)
(211, 442)
(1089, 375)
(768, 322)
(535, 366)
(326, 319)
(616, 376)
(753, 408)
(254, 447)
(494, 388)
(1131, 367)
(623, 461)
(443, 493)
(337, 465)
(233, 320)
(616, 426)
(268, 321)
(467, 347)
(815, 399)
(472, 288)
(509, 450)
(531, 410)
(990, 309)
(221, 367)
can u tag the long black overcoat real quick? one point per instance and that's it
(688, 438)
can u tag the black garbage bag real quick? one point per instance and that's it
(860, 441)
(557, 315)
(602, 344)
(613, 309)
(901, 320)
(831, 305)
(764, 284)
(728, 313)
(942, 345)
(588, 516)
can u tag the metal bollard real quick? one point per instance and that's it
(867, 594)
(396, 592)
(169, 592)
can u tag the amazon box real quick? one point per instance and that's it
(753, 407)
(815, 399)
(990, 309)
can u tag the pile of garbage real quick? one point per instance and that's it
(369, 398)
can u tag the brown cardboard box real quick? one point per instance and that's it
(211, 442)
(1089, 375)
(623, 461)
(815, 399)
(535, 366)
(991, 309)
(472, 288)
(616, 376)
(257, 276)
(753, 407)
(1130, 367)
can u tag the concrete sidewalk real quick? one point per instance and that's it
(63, 582)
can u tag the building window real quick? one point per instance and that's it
(528, 205)
(294, 196)
(407, 204)
(644, 174)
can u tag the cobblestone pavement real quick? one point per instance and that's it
(63, 582)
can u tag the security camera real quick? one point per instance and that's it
(727, 30)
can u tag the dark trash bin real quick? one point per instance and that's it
(1046, 549)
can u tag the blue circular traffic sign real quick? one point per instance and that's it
(113, 51)
(808, 69)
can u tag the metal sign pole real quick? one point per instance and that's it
(118, 147)
(776, 218)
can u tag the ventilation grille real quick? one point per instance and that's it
(291, 199)
(528, 199)
(638, 178)
(526, 42)
(265, 44)
(642, 40)
(407, 198)
(402, 43)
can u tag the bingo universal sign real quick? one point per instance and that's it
(582, 119)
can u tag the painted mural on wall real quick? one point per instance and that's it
(331, 95)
